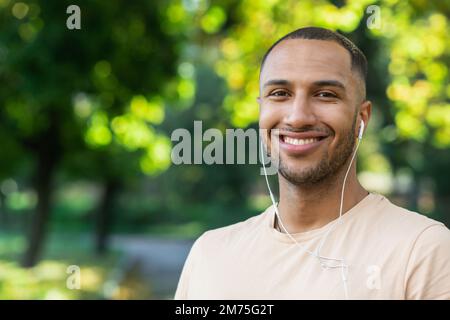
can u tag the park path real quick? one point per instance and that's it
(158, 262)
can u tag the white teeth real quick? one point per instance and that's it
(299, 141)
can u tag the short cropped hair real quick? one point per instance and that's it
(358, 59)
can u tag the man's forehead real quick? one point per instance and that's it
(307, 59)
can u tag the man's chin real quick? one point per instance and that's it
(304, 174)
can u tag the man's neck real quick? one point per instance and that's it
(304, 208)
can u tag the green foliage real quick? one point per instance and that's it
(48, 279)
(419, 59)
(100, 86)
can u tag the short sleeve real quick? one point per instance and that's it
(182, 292)
(428, 270)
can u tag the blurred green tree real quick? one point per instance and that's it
(87, 101)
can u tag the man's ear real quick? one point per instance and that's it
(365, 111)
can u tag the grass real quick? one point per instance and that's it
(49, 279)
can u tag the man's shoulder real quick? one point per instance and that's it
(403, 223)
(404, 217)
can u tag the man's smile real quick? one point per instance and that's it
(301, 143)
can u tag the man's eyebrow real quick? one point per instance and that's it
(319, 83)
(329, 83)
(276, 82)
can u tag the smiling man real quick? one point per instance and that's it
(313, 100)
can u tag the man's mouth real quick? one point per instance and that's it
(301, 142)
(298, 142)
(301, 138)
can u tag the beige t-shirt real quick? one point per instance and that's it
(391, 253)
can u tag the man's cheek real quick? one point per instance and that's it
(267, 119)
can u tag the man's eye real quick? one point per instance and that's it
(326, 94)
(279, 94)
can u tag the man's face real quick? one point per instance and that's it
(309, 92)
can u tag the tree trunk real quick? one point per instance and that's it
(414, 194)
(443, 209)
(105, 216)
(45, 171)
(3, 213)
(48, 149)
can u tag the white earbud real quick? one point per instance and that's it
(361, 130)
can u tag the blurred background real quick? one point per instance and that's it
(86, 115)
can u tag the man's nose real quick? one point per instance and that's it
(300, 113)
